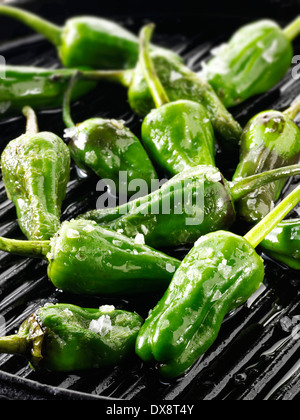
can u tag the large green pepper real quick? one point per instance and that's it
(270, 140)
(191, 204)
(177, 135)
(65, 337)
(85, 258)
(86, 41)
(36, 171)
(218, 275)
(283, 243)
(41, 88)
(256, 58)
(106, 147)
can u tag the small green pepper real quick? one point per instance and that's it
(257, 57)
(218, 275)
(41, 88)
(270, 140)
(283, 243)
(86, 41)
(106, 147)
(64, 338)
(36, 171)
(85, 258)
(177, 135)
(193, 203)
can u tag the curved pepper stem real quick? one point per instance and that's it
(293, 110)
(157, 90)
(67, 100)
(293, 30)
(244, 186)
(30, 249)
(262, 229)
(47, 29)
(32, 126)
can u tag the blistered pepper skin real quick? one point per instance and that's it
(36, 171)
(179, 136)
(270, 140)
(283, 243)
(107, 147)
(218, 275)
(87, 259)
(60, 338)
(257, 57)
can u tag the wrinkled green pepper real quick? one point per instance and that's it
(85, 258)
(191, 204)
(66, 338)
(218, 275)
(36, 171)
(270, 140)
(283, 243)
(41, 88)
(177, 135)
(256, 58)
(106, 147)
(86, 41)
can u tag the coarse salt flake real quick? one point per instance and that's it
(101, 326)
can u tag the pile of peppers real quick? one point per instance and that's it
(126, 250)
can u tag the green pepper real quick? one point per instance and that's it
(177, 135)
(41, 88)
(257, 57)
(106, 147)
(66, 338)
(36, 171)
(283, 244)
(270, 140)
(193, 203)
(85, 258)
(218, 275)
(86, 41)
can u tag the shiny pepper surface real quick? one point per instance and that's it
(36, 171)
(256, 58)
(64, 338)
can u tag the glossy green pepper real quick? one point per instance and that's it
(41, 88)
(36, 171)
(177, 135)
(257, 57)
(85, 258)
(218, 275)
(64, 338)
(86, 41)
(106, 147)
(283, 243)
(270, 140)
(191, 204)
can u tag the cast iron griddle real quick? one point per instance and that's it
(256, 355)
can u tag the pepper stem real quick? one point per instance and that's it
(13, 344)
(34, 249)
(67, 101)
(293, 30)
(122, 77)
(157, 90)
(32, 126)
(49, 30)
(263, 228)
(294, 109)
(244, 186)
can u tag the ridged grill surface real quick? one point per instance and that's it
(256, 355)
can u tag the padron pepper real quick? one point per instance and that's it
(219, 274)
(255, 59)
(84, 258)
(193, 203)
(283, 243)
(36, 171)
(63, 337)
(270, 140)
(106, 147)
(86, 41)
(177, 135)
